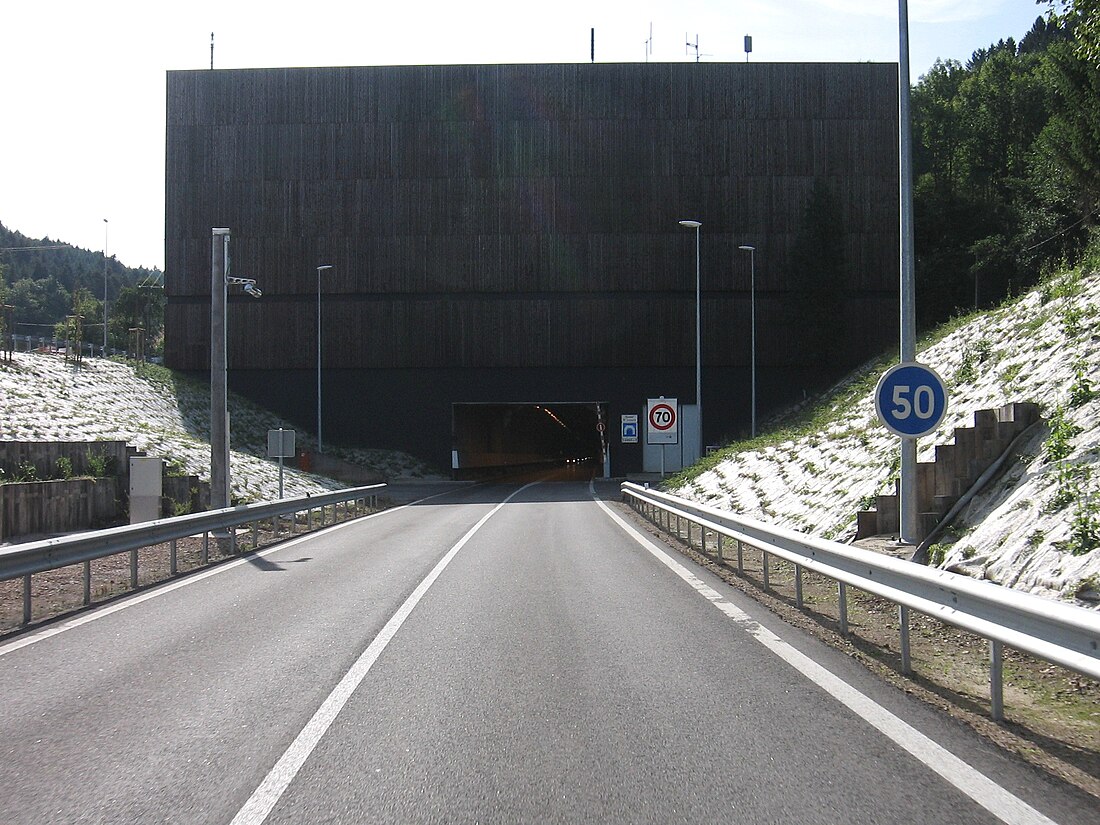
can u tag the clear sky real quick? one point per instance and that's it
(82, 134)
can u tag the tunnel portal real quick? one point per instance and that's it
(492, 439)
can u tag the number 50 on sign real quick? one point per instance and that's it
(911, 400)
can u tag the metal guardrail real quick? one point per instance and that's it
(1059, 633)
(24, 560)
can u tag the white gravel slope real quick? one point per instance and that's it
(43, 397)
(1042, 347)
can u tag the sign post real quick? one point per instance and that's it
(911, 401)
(663, 420)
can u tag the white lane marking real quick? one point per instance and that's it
(998, 801)
(87, 618)
(264, 798)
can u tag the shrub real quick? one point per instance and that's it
(65, 467)
(100, 465)
(1062, 432)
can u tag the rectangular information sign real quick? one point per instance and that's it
(630, 429)
(280, 443)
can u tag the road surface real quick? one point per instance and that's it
(496, 653)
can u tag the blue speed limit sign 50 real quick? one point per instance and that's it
(911, 400)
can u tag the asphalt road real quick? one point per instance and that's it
(463, 659)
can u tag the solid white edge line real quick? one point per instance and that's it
(278, 779)
(1003, 804)
(159, 590)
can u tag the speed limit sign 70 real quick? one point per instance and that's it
(662, 419)
(911, 400)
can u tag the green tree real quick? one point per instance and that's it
(39, 302)
(1083, 16)
(138, 306)
(938, 124)
(1072, 136)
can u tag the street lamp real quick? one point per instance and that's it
(220, 279)
(320, 443)
(104, 287)
(752, 324)
(698, 336)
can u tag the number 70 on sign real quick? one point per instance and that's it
(911, 400)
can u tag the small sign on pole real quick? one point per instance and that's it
(630, 429)
(280, 445)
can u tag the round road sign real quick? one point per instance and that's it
(911, 400)
(662, 417)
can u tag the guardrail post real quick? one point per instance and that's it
(87, 583)
(255, 536)
(293, 523)
(903, 623)
(740, 558)
(718, 547)
(233, 540)
(133, 569)
(842, 607)
(996, 681)
(173, 566)
(27, 599)
(309, 519)
(205, 558)
(798, 586)
(764, 559)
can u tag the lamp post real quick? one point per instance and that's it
(105, 287)
(752, 325)
(220, 279)
(320, 443)
(698, 335)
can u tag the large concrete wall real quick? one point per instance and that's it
(506, 229)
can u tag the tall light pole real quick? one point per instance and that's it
(698, 335)
(105, 287)
(752, 325)
(320, 443)
(219, 406)
(220, 279)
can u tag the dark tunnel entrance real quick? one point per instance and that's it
(498, 439)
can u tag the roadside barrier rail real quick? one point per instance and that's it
(24, 560)
(1063, 634)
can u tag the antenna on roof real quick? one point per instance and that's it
(695, 46)
(211, 50)
(593, 44)
(689, 45)
(649, 44)
(748, 46)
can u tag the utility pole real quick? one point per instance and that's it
(907, 488)
(105, 225)
(219, 409)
